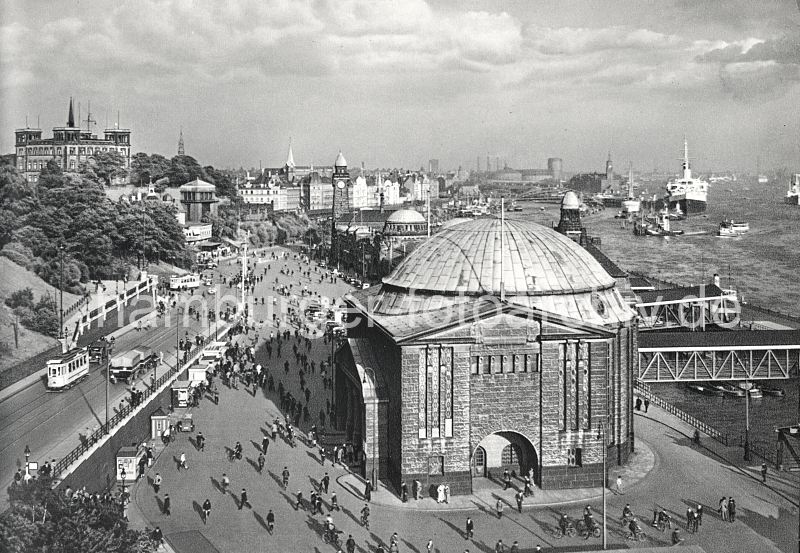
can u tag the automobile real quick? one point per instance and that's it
(186, 424)
(208, 282)
(212, 291)
(211, 265)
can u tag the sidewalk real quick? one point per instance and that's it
(784, 483)
(486, 492)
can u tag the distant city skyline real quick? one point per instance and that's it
(395, 84)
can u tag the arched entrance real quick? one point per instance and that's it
(505, 450)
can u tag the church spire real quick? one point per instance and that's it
(181, 150)
(71, 117)
(290, 156)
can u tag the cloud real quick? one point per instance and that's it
(755, 67)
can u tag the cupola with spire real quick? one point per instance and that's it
(340, 160)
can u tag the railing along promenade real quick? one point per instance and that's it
(122, 414)
(724, 438)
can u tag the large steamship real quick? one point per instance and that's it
(687, 194)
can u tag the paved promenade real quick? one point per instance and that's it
(668, 472)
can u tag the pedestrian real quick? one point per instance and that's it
(166, 507)
(723, 508)
(732, 510)
(368, 491)
(225, 483)
(470, 529)
(326, 480)
(519, 497)
(243, 500)
(695, 521)
(285, 477)
(618, 485)
(515, 547)
(299, 503)
(506, 479)
(699, 512)
(182, 462)
(417, 490)
(350, 544)
(261, 462)
(689, 519)
(763, 473)
(270, 521)
(527, 489)
(157, 482)
(499, 508)
(201, 441)
(499, 547)
(646, 404)
(158, 536)
(429, 546)
(404, 491)
(638, 406)
(206, 510)
(264, 444)
(334, 502)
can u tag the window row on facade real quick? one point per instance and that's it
(504, 364)
(71, 150)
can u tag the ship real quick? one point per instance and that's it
(793, 194)
(687, 193)
(630, 205)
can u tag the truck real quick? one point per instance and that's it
(127, 366)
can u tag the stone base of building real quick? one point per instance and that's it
(563, 478)
(460, 483)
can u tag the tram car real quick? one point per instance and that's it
(69, 369)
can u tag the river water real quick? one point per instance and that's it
(763, 265)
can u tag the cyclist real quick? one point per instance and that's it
(627, 514)
(564, 524)
(634, 528)
(589, 522)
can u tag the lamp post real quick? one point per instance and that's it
(374, 421)
(108, 379)
(601, 435)
(123, 474)
(27, 456)
(61, 336)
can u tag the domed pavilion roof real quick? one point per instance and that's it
(570, 201)
(340, 160)
(466, 259)
(406, 217)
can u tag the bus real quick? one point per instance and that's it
(184, 282)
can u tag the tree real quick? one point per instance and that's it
(43, 519)
(108, 166)
(184, 169)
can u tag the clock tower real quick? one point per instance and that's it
(341, 200)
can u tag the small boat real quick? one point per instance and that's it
(755, 393)
(773, 391)
(730, 227)
(732, 390)
(704, 389)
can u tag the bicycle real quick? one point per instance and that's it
(365, 521)
(585, 531)
(638, 536)
(332, 537)
(569, 531)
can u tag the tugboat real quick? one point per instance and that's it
(793, 194)
(773, 391)
(658, 226)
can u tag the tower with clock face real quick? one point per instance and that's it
(341, 200)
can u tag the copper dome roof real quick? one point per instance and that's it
(466, 259)
(406, 216)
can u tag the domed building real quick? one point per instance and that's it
(490, 347)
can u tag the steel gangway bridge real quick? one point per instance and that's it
(721, 355)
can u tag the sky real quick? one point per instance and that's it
(395, 83)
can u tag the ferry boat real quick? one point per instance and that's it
(793, 194)
(687, 192)
(732, 228)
